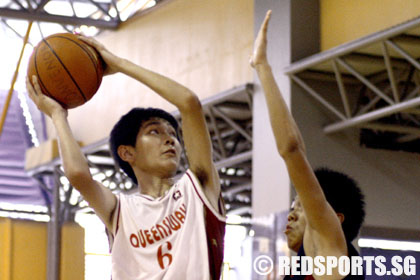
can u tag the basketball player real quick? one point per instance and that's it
(168, 230)
(328, 210)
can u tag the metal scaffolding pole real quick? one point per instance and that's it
(349, 47)
(372, 115)
(54, 233)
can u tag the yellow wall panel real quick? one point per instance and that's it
(6, 237)
(346, 20)
(72, 252)
(23, 250)
(203, 44)
(23, 247)
(29, 252)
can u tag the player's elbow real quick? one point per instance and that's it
(191, 102)
(290, 147)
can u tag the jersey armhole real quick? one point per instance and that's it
(116, 218)
(115, 224)
(218, 213)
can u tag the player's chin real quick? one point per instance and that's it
(292, 242)
(170, 166)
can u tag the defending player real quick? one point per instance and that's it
(314, 227)
(168, 230)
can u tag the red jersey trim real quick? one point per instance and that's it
(220, 216)
(215, 225)
(215, 232)
(118, 218)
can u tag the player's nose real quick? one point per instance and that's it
(291, 216)
(169, 140)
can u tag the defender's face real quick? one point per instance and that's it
(158, 151)
(296, 224)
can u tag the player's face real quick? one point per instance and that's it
(296, 224)
(157, 149)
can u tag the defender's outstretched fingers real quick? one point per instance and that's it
(266, 20)
(262, 34)
(259, 55)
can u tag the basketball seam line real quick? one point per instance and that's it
(65, 68)
(39, 76)
(87, 52)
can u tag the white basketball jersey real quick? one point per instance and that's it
(177, 236)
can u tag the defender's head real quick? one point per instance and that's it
(344, 196)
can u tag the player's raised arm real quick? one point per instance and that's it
(75, 165)
(320, 216)
(194, 129)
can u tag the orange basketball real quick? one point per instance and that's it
(68, 70)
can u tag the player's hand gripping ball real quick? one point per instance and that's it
(68, 69)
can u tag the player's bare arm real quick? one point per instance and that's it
(323, 224)
(194, 129)
(75, 165)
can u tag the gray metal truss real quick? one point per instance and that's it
(103, 14)
(375, 79)
(229, 120)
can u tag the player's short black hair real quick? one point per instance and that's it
(125, 132)
(345, 197)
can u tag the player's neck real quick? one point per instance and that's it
(154, 186)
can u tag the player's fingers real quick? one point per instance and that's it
(27, 83)
(251, 60)
(267, 18)
(84, 38)
(31, 92)
(92, 42)
(36, 84)
(264, 26)
(262, 33)
(29, 87)
(265, 23)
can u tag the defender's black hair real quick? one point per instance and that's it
(345, 197)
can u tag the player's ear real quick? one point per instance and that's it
(126, 153)
(341, 217)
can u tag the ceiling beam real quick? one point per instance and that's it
(373, 115)
(42, 16)
(350, 47)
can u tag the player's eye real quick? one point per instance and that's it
(154, 131)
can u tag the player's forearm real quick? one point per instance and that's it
(286, 133)
(291, 147)
(173, 92)
(75, 164)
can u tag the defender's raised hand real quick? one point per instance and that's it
(259, 55)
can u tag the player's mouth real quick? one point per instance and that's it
(171, 152)
(288, 229)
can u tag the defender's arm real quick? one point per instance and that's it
(321, 218)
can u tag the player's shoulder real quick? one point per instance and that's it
(127, 198)
(188, 178)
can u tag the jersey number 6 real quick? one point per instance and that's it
(161, 256)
